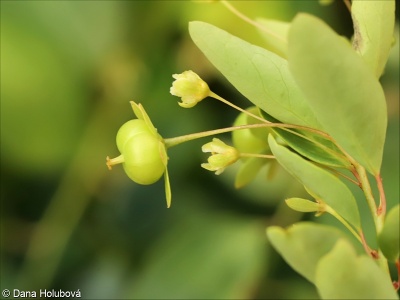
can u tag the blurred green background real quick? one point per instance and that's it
(68, 72)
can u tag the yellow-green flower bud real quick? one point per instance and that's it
(221, 157)
(190, 88)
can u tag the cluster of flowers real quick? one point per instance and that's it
(144, 151)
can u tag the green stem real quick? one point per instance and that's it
(366, 187)
(377, 255)
(378, 220)
(339, 174)
(250, 21)
(257, 155)
(219, 98)
(189, 137)
(309, 129)
(316, 131)
(331, 211)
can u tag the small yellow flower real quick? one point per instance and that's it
(190, 88)
(222, 156)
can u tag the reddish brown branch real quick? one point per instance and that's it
(371, 252)
(382, 198)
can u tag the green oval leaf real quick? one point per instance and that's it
(260, 75)
(342, 275)
(320, 182)
(390, 235)
(345, 96)
(373, 31)
(303, 205)
(303, 244)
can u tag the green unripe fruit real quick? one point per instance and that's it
(128, 130)
(144, 158)
(249, 140)
(143, 151)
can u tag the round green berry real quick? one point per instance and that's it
(128, 130)
(144, 158)
(249, 140)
